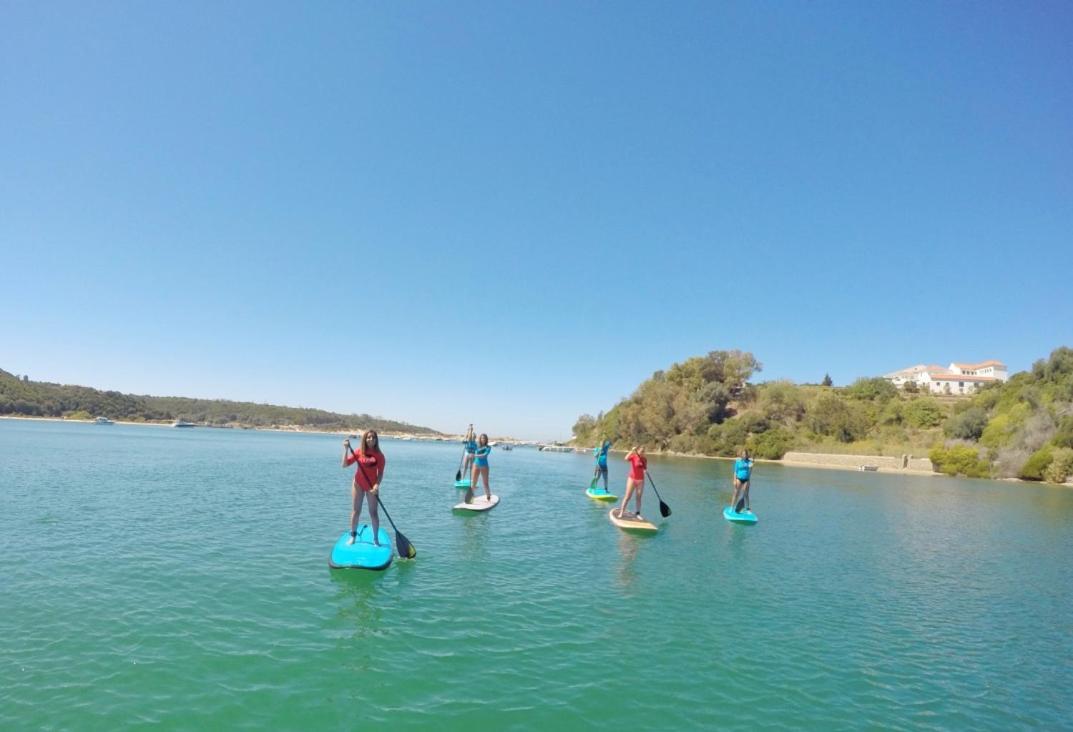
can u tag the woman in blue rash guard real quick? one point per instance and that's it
(600, 453)
(480, 467)
(470, 445)
(743, 469)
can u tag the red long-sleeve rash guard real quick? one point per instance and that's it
(370, 466)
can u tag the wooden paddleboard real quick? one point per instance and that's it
(628, 524)
(479, 503)
(599, 494)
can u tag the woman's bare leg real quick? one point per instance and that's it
(374, 512)
(355, 509)
(626, 499)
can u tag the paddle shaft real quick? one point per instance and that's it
(663, 507)
(458, 473)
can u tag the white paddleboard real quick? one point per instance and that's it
(479, 503)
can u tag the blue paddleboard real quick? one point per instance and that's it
(362, 554)
(745, 517)
(461, 484)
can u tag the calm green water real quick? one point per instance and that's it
(179, 577)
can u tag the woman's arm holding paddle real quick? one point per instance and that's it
(346, 454)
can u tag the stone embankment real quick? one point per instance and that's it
(880, 463)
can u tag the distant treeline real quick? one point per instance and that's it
(706, 405)
(20, 396)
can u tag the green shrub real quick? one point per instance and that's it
(772, 445)
(876, 389)
(1064, 436)
(923, 412)
(1036, 464)
(893, 412)
(959, 460)
(1061, 467)
(998, 432)
(835, 417)
(969, 425)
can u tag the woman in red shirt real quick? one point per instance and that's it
(635, 483)
(367, 479)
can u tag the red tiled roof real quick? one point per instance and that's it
(961, 377)
(971, 366)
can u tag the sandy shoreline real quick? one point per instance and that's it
(435, 437)
(816, 460)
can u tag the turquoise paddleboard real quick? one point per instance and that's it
(461, 484)
(362, 554)
(599, 494)
(745, 517)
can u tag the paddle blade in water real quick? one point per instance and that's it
(406, 549)
(664, 509)
(741, 505)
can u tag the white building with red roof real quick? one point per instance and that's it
(958, 378)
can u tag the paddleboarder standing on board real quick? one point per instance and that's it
(743, 469)
(601, 464)
(480, 467)
(635, 483)
(367, 479)
(470, 445)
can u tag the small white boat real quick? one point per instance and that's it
(181, 423)
(103, 420)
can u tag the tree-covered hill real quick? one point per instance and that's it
(20, 396)
(1020, 429)
(706, 405)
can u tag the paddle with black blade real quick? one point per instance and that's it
(458, 473)
(402, 544)
(664, 509)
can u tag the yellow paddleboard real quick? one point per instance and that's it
(630, 524)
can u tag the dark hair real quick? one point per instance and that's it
(482, 440)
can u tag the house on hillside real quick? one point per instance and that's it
(958, 378)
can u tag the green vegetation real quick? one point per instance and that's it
(959, 460)
(20, 396)
(706, 405)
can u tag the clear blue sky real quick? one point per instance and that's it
(513, 213)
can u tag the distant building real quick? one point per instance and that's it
(958, 378)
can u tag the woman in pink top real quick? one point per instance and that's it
(367, 479)
(635, 483)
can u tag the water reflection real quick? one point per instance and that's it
(474, 539)
(357, 606)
